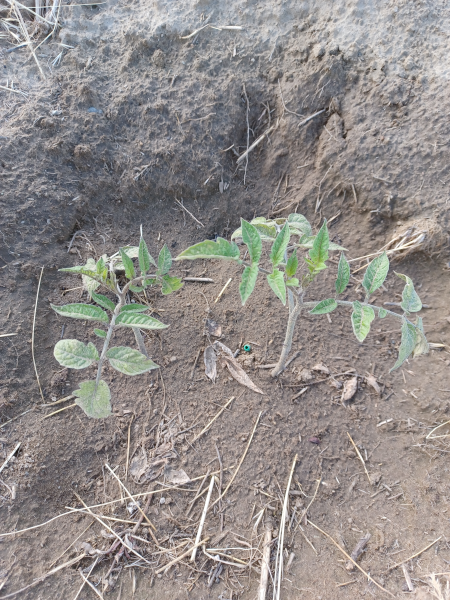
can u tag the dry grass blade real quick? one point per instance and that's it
(265, 564)
(32, 334)
(360, 457)
(55, 412)
(351, 559)
(8, 89)
(24, 30)
(414, 555)
(305, 512)
(256, 143)
(9, 457)
(178, 558)
(91, 585)
(203, 517)
(205, 429)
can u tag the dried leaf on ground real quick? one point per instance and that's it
(371, 380)
(240, 375)
(138, 465)
(321, 368)
(213, 328)
(350, 387)
(176, 476)
(210, 359)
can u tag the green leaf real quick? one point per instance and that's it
(74, 354)
(410, 299)
(362, 317)
(343, 275)
(129, 361)
(325, 306)
(292, 264)
(137, 289)
(279, 246)
(103, 301)
(209, 249)
(130, 251)
(276, 282)
(319, 250)
(407, 344)
(376, 273)
(100, 266)
(421, 346)
(170, 284)
(100, 333)
(300, 224)
(127, 264)
(252, 239)
(145, 259)
(90, 283)
(266, 231)
(94, 400)
(382, 312)
(164, 260)
(134, 308)
(131, 319)
(293, 282)
(87, 312)
(248, 282)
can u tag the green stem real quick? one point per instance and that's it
(350, 304)
(295, 307)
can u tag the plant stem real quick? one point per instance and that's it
(295, 307)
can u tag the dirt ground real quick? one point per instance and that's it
(134, 117)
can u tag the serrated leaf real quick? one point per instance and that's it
(164, 260)
(410, 299)
(145, 259)
(300, 223)
(133, 308)
(407, 344)
(74, 354)
(103, 301)
(87, 312)
(319, 250)
(376, 273)
(325, 306)
(209, 249)
(421, 346)
(127, 264)
(382, 312)
(100, 333)
(94, 400)
(343, 275)
(276, 282)
(252, 239)
(292, 264)
(248, 282)
(362, 317)
(280, 245)
(129, 361)
(170, 284)
(293, 282)
(131, 319)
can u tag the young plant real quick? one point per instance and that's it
(291, 275)
(94, 396)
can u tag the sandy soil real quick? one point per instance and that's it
(134, 117)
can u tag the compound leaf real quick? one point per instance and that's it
(127, 264)
(410, 299)
(87, 312)
(325, 306)
(276, 282)
(319, 250)
(74, 354)
(145, 259)
(362, 317)
(164, 260)
(343, 275)
(376, 273)
(94, 399)
(248, 282)
(100, 333)
(133, 308)
(103, 301)
(209, 249)
(407, 344)
(170, 284)
(280, 245)
(300, 224)
(131, 319)
(129, 361)
(252, 239)
(382, 312)
(292, 264)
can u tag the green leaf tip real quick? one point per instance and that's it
(376, 273)
(221, 249)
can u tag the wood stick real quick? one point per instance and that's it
(265, 563)
(357, 551)
(255, 143)
(310, 117)
(414, 555)
(240, 462)
(32, 331)
(202, 520)
(360, 457)
(9, 457)
(176, 560)
(196, 279)
(205, 429)
(351, 559)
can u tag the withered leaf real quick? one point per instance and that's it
(371, 380)
(240, 375)
(213, 328)
(210, 359)
(350, 387)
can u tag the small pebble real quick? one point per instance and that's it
(314, 440)
(173, 359)
(162, 500)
